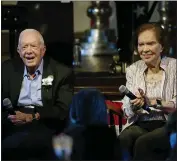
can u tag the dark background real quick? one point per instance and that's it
(55, 21)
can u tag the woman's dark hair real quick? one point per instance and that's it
(88, 107)
(160, 33)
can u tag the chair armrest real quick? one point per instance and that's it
(115, 107)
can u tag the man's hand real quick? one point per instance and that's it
(20, 118)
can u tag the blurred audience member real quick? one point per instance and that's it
(171, 128)
(88, 129)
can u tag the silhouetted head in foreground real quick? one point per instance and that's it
(88, 108)
(88, 127)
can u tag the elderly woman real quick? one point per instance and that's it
(153, 80)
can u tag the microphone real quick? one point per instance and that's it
(8, 105)
(124, 90)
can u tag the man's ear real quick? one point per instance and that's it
(162, 48)
(44, 50)
(18, 50)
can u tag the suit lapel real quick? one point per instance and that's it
(16, 80)
(46, 91)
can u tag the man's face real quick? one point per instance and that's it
(31, 50)
(148, 47)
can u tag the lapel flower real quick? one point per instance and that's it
(47, 81)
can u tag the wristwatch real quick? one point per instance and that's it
(159, 103)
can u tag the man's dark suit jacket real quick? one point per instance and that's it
(55, 99)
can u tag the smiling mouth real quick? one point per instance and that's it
(29, 58)
(147, 56)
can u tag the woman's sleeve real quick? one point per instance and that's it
(174, 99)
(126, 101)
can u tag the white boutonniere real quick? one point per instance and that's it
(47, 81)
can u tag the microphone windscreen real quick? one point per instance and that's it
(123, 89)
(7, 103)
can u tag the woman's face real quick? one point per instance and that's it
(148, 47)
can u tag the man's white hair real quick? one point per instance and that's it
(34, 31)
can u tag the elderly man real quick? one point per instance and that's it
(40, 90)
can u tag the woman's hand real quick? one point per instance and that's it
(139, 101)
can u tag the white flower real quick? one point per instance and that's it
(47, 81)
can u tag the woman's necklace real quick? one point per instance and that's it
(154, 77)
